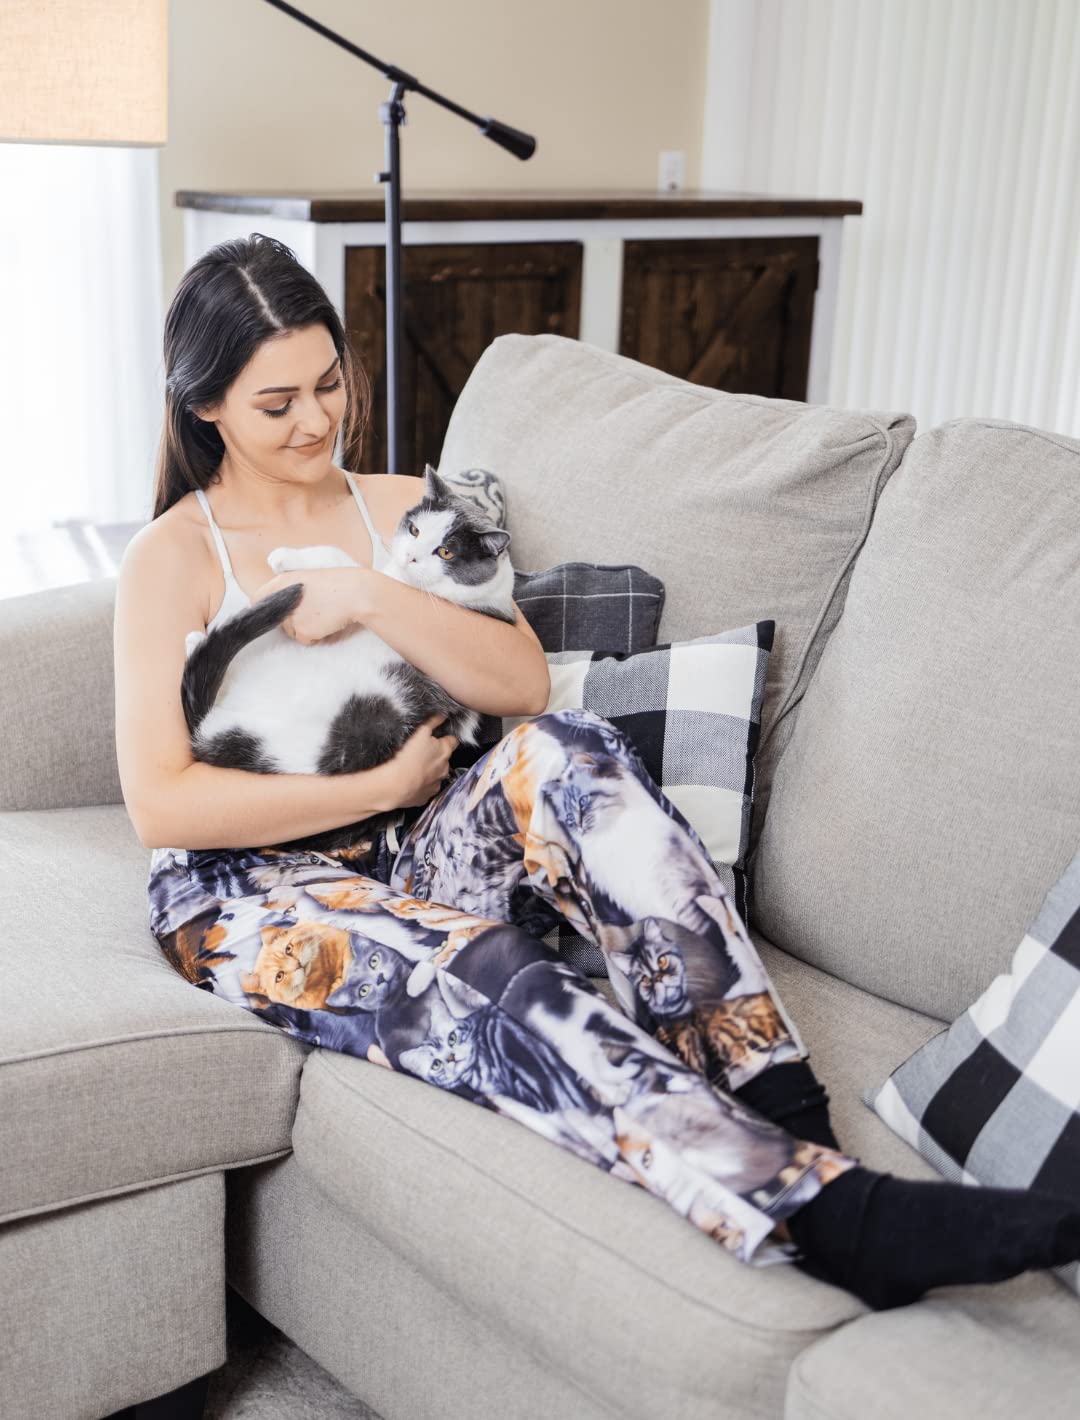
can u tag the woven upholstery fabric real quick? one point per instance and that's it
(747, 508)
(929, 795)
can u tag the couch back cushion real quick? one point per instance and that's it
(930, 792)
(746, 508)
(57, 706)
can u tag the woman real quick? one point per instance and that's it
(411, 936)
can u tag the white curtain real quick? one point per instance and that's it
(81, 377)
(957, 124)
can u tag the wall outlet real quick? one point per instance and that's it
(672, 171)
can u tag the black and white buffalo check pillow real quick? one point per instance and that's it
(995, 1098)
(693, 712)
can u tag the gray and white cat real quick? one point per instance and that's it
(257, 699)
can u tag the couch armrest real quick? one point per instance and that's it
(57, 706)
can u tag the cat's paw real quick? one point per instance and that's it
(296, 559)
(420, 978)
(191, 640)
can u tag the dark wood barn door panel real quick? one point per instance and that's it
(733, 313)
(457, 300)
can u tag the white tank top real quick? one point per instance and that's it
(236, 599)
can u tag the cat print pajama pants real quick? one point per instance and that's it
(423, 954)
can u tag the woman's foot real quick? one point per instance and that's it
(888, 1240)
(791, 1094)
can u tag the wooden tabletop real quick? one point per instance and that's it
(537, 204)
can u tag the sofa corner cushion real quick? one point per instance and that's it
(115, 1072)
(746, 508)
(971, 1353)
(929, 793)
(56, 698)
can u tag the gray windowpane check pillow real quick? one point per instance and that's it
(994, 1098)
(692, 710)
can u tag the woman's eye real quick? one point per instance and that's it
(444, 552)
(323, 389)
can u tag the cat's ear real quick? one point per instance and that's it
(434, 487)
(495, 541)
(461, 998)
(414, 1060)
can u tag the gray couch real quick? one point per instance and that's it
(918, 791)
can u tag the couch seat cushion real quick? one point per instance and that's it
(115, 1072)
(746, 508)
(971, 1353)
(581, 1268)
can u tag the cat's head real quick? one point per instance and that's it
(447, 1051)
(654, 964)
(376, 977)
(445, 543)
(294, 964)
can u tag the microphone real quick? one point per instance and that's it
(522, 145)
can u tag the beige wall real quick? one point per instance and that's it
(256, 99)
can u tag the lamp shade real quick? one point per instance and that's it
(84, 71)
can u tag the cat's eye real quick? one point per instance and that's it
(413, 528)
(646, 1159)
(323, 389)
(288, 951)
(436, 1064)
(444, 552)
(279, 975)
(364, 989)
(451, 1039)
(374, 959)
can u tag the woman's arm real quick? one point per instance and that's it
(485, 663)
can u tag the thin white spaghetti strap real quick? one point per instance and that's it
(378, 551)
(226, 565)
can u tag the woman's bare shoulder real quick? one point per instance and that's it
(173, 538)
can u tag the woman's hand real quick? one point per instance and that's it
(331, 601)
(421, 764)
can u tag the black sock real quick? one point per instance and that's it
(889, 1239)
(791, 1094)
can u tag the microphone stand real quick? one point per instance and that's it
(392, 114)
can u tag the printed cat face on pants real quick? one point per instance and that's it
(449, 1051)
(298, 965)
(656, 967)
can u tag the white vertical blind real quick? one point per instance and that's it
(957, 124)
(81, 380)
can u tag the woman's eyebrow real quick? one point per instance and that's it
(292, 389)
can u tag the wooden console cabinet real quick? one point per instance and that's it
(732, 290)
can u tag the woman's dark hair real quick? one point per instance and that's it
(238, 294)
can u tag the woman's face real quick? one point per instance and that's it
(281, 414)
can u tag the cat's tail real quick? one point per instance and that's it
(205, 668)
